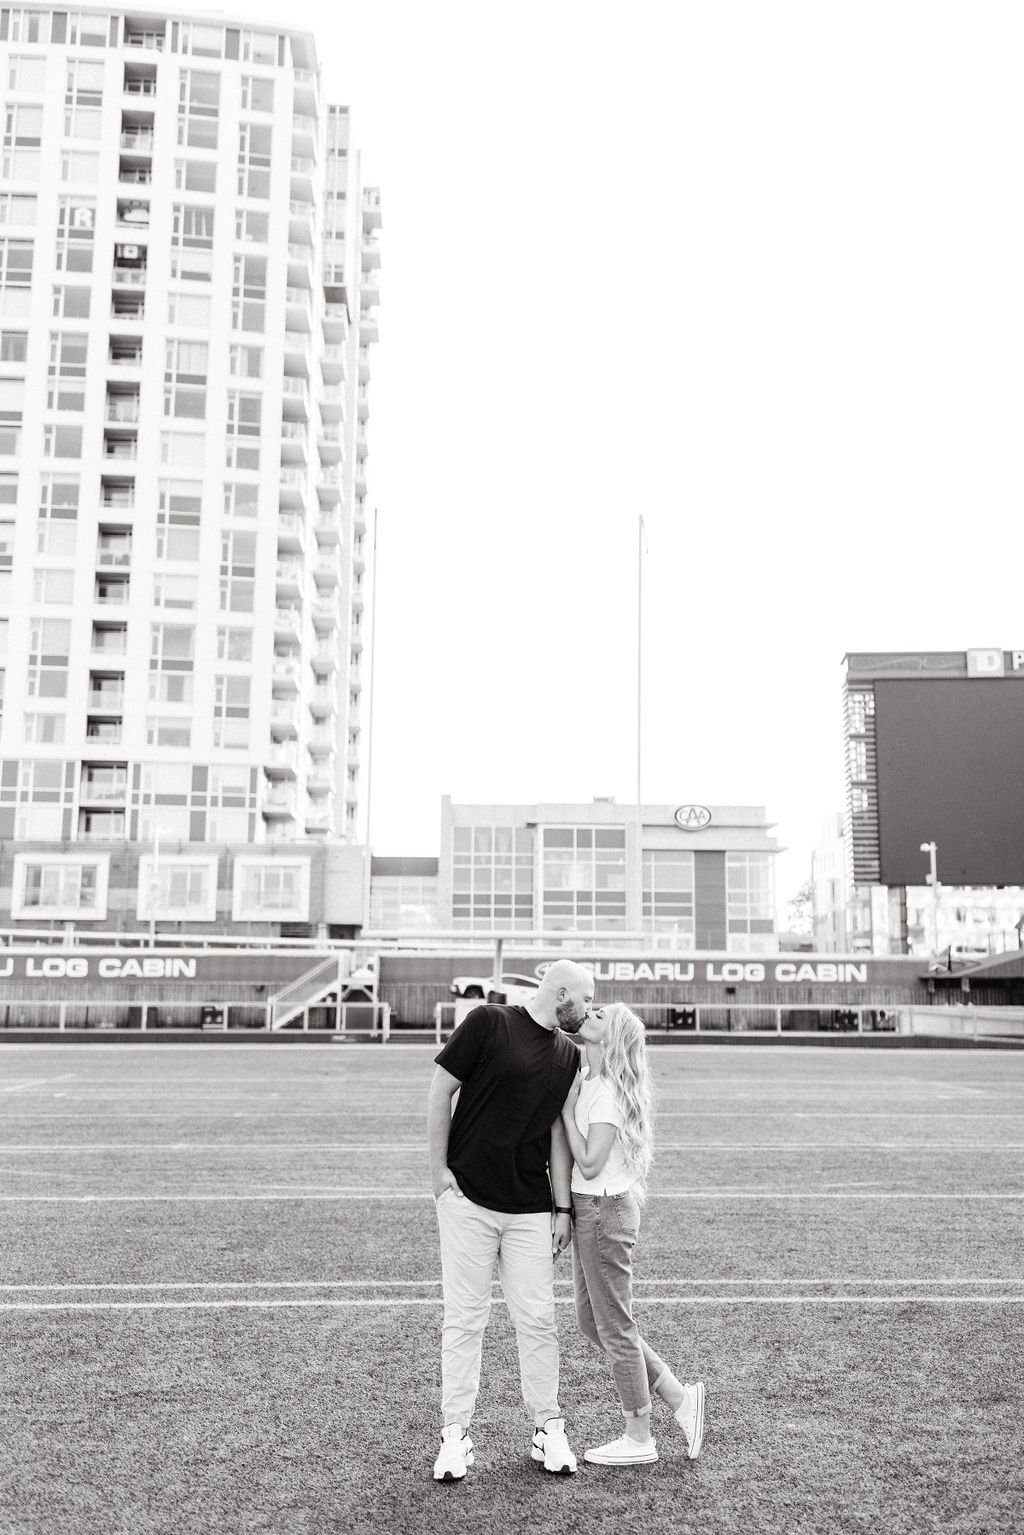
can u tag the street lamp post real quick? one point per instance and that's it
(933, 880)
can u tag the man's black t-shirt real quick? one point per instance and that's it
(515, 1076)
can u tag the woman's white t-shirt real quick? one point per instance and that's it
(596, 1105)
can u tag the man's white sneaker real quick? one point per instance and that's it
(690, 1417)
(623, 1452)
(551, 1448)
(455, 1455)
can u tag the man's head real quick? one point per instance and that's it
(564, 995)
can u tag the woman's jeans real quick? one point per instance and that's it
(602, 1265)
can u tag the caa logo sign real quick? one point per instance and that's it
(692, 817)
(985, 663)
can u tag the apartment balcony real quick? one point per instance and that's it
(329, 444)
(298, 310)
(111, 792)
(300, 224)
(117, 493)
(333, 363)
(322, 743)
(325, 614)
(137, 141)
(371, 211)
(332, 403)
(122, 410)
(319, 780)
(124, 352)
(318, 822)
(120, 445)
(293, 483)
(369, 289)
(363, 402)
(135, 173)
(103, 734)
(278, 801)
(281, 761)
(284, 720)
(300, 271)
(290, 578)
(148, 35)
(323, 702)
(128, 308)
(139, 82)
(294, 442)
(132, 215)
(295, 399)
(105, 701)
(285, 675)
(324, 659)
(114, 557)
(368, 328)
(305, 135)
(335, 321)
(307, 92)
(369, 252)
(111, 591)
(327, 527)
(364, 362)
(287, 626)
(291, 533)
(329, 478)
(326, 572)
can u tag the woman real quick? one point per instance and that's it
(608, 1124)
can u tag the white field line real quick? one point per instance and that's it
(76, 1148)
(850, 1281)
(391, 1302)
(341, 1195)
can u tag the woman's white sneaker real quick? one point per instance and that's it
(690, 1417)
(455, 1455)
(623, 1452)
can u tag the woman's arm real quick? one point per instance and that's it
(590, 1153)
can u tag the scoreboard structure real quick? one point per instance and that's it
(935, 754)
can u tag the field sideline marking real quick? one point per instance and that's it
(566, 1300)
(75, 1148)
(420, 1284)
(338, 1195)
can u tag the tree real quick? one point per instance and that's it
(800, 911)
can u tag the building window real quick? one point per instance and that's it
(251, 226)
(254, 149)
(857, 758)
(860, 707)
(237, 571)
(177, 520)
(44, 729)
(80, 165)
(27, 75)
(18, 208)
(187, 364)
(72, 303)
(177, 888)
(183, 450)
(62, 441)
(492, 877)
(241, 500)
(69, 352)
(257, 94)
(195, 176)
(189, 310)
(171, 663)
(583, 878)
(243, 430)
(231, 711)
(49, 648)
(55, 587)
(750, 902)
(198, 107)
(23, 129)
(168, 732)
(668, 898)
(59, 886)
(192, 242)
(270, 890)
(172, 590)
(248, 294)
(234, 644)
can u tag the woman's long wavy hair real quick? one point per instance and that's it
(624, 1065)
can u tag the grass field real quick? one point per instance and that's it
(220, 1306)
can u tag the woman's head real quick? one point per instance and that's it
(624, 1064)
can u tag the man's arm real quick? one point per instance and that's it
(560, 1172)
(443, 1087)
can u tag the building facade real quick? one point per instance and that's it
(189, 273)
(933, 743)
(680, 877)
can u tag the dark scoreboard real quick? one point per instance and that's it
(950, 770)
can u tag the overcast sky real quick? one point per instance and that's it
(751, 270)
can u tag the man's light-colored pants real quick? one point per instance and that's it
(473, 1240)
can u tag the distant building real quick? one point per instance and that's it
(934, 743)
(682, 877)
(189, 269)
(829, 889)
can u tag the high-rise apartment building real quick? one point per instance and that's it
(188, 278)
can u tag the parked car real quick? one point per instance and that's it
(508, 987)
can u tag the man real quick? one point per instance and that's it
(500, 1166)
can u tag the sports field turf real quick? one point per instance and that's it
(220, 1303)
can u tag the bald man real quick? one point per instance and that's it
(500, 1168)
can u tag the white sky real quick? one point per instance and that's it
(753, 270)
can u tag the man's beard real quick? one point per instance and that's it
(565, 1013)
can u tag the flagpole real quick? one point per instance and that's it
(641, 544)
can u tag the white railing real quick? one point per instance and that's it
(292, 999)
